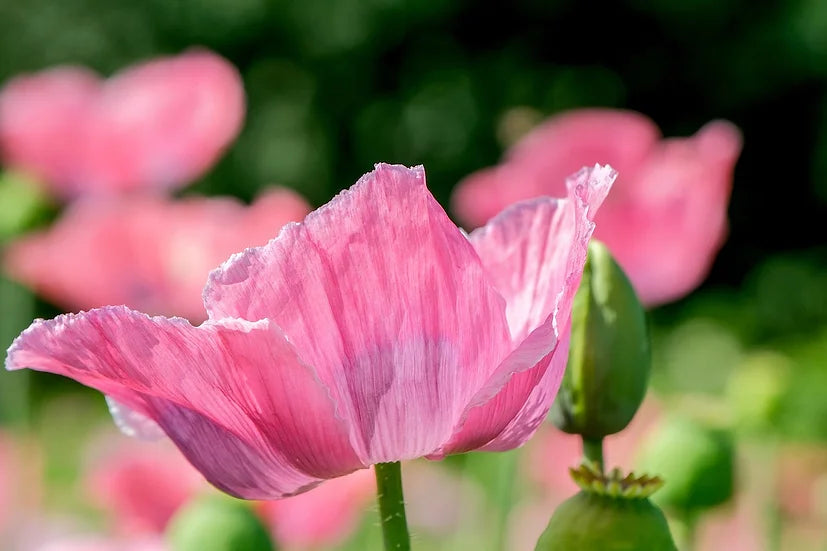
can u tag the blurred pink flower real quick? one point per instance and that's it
(149, 253)
(741, 527)
(439, 501)
(7, 481)
(157, 125)
(323, 517)
(141, 485)
(374, 331)
(101, 543)
(20, 482)
(666, 219)
(800, 467)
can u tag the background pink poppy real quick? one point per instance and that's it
(156, 125)
(323, 517)
(147, 252)
(665, 219)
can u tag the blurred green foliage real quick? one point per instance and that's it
(218, 523)
(696, 460)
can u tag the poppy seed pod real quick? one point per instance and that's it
(611, 513)
(610, 357)
(217, 523)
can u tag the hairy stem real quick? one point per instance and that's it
(392, 506)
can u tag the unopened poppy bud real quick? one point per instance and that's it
(611, 513)
(610, 357)
(697, 459)
(217, 523)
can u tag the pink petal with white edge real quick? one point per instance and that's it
(132, 423)
(535, 252)
(387, 299)
(232, 395)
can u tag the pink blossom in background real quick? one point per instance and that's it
(666, 219)
(141, 485)
(149, 253)
(800, 478)
(156, 125)
(8, 481)
(323, 517)
(374, 331)
(100, 543)
(741, 527)
(20, 482)
(439, 500)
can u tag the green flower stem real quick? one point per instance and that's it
(392, 506)
(593, 451)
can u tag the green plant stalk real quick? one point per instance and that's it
(392, 506)
(593, 451)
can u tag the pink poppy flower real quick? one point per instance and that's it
(323, 517)
(666, 219)
(374, 331)
(156, 125)
(141, 485)
(149, 253)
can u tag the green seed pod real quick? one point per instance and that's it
(217, 523)
(612, 513)
(609, 357)
(698, 461)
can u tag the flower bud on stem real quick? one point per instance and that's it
(609, 359)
